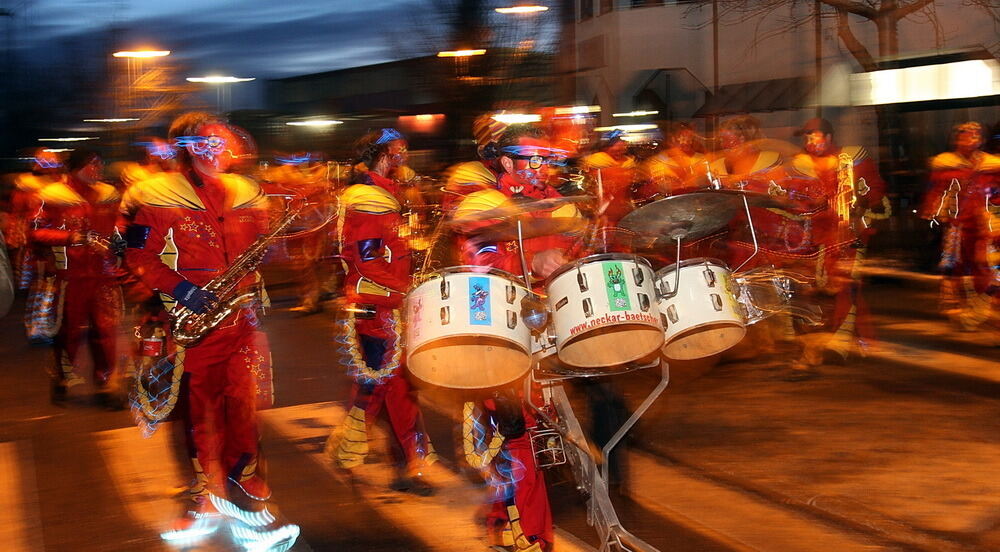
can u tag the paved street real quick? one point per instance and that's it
(894, 452)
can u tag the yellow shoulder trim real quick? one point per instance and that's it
(857, 153)
(245, 192)
(166, 189)
(61, 194)
(482, 200)
(27, 182)
(368, 198)
(803, 164)
(718, 166)
(567, 211)
(599, 160)
(107, 193)
(469, 173)
(990, 163)
(766, 161)
(949, 160)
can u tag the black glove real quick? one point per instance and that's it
(509, 416)
(193, 297)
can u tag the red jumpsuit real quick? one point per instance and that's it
(179, 231)
(840, 231)
(378, 267)
(963, 192)
(518, 483)
(32, 266)
(89, 298)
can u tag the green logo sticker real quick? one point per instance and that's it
(614, 281)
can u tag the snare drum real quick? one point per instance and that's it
(703, 317)
(604, 311)
(464, 329)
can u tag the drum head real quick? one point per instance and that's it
(704, 341)
(611, 345)
(469, 362)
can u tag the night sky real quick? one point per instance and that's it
(260, 38)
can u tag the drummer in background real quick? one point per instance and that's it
(675, 169)
(520, 518)
(847, 179)
(378, 275)
(612, 172)
(741, 164)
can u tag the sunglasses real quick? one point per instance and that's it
(203, 146)
(536, 161)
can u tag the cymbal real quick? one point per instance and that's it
(686, 216)
(531, 227)
(514, 209)
(768, 201)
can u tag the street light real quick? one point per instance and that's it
(220, 92)
(141, 53)
(315, 123)
(523, 8)
(218, 79)
(460, 53)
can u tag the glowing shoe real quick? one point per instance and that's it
(274, 538)
(196, 524)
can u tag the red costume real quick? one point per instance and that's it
(847, 178)
(378, 267)
(520, 516)
(184, 230)
(964, 191)
(89, 296)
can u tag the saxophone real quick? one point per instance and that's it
(188, 327)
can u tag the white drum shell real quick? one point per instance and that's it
(704, 317)
(486, 322)
(585, 303)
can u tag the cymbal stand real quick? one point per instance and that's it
(593, 479)
(753, 234)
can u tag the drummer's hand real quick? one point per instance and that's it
(546, 262)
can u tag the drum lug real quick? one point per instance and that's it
(672, 314)
(663, 287)
(445, 315)
(588, 308)
(511, 294)
(581, 280)
(663, 320)
(644, 302)
(717, 302)
(638, 276)
(445, 289)
(511, 319)
(709, 277)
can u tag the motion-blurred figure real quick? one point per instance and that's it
(612, 172)
(77, 221)
(848, 180)
(378, 267)
(678, 168)
(186, 228)
(963, 199)
(33, 271)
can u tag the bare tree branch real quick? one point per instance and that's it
(905, 10)
(866, 11)
(854, 46)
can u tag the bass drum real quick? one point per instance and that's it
(702, 317)
(464, 329)
(604, 311)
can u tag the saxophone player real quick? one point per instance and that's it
(185, 227)
(847, 179)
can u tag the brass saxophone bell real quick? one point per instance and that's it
(534, 313)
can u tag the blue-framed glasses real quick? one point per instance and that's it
(388, 135)
(537, 156)
(202, 146)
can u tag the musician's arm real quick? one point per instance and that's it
(45, 229)
(145, 239)
(366, 238)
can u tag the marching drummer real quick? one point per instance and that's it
(520, 518)
(378, 273)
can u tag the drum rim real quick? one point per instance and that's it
(598, 257)
(692, 262)
(477, 270)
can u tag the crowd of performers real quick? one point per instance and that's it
(107, 264)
